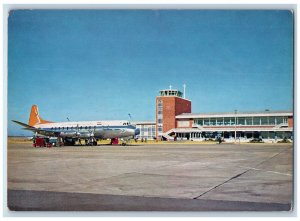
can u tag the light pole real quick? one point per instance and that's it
(235, 126)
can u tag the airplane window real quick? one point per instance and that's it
(71, 128)
(90, 127)
(59, 128)
(63, 128)
(94, 127)
(85, 127)
(67, 128)
(81, 128)
(124, 124)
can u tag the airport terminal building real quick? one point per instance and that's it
(175, 121)
(147, 130)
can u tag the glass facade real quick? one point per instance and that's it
(240, 121)
(264, 121)
(147, 131)
(256, 120)
(227, 121)
(248, 121)
(220, 121)
(213, 121)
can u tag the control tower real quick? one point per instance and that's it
(169, 103)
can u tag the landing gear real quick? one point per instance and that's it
(59, 142)
(91, 142)
(68, 142)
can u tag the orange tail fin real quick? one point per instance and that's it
(35, 117)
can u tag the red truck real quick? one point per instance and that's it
(41, 142)
(114, 141)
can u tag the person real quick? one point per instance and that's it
(220, 140)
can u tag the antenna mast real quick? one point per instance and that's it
(184, 90)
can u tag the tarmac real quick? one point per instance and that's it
(186, 177)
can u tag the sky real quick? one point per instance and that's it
(106, 64)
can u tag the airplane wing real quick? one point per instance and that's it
(38, 130)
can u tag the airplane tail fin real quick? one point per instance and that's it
(35, 118)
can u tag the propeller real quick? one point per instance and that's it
(92, 135)
(77, 131)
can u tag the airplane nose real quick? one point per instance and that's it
(137, 131)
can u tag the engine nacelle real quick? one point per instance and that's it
(76, 134)
(68, 134)
(85, 135)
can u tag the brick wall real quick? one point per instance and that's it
(290, 121)
(172, 106)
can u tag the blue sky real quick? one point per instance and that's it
(104, 64)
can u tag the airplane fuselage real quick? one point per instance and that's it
(87, 129)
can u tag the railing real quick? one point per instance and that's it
(198, 126)
(167, 136)
(281, 125)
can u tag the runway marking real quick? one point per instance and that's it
(238, 175)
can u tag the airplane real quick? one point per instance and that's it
(70, 132)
